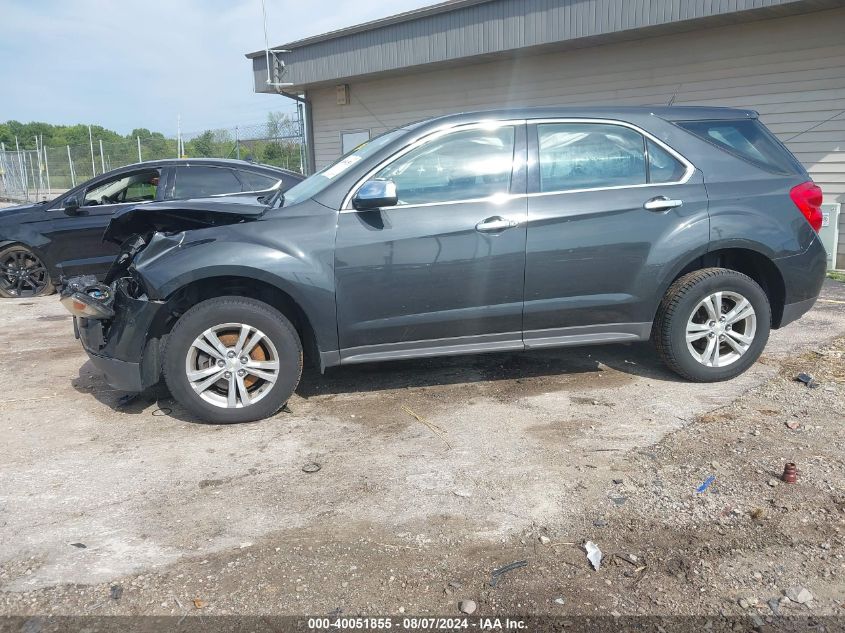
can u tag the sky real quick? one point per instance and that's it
(127, 64)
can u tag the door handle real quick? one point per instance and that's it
(662, 203)
(496, 223)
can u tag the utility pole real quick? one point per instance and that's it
(178, 136)
(91, 143)
(102, 158)
(238, 141)
(138, 138)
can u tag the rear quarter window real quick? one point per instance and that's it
(748, 139)
(257, 182)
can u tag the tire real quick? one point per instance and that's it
(684, 312)
(23, 274)
(232, 320)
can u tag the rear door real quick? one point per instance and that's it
(443, 271)
(610, 208)
(76, 237)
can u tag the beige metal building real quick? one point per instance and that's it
(783, 58)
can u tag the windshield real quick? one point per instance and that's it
(313, 185)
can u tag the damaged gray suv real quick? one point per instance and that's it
(477, 232)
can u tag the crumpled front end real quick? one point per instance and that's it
(123, 323)
(120, 327)
(124, 346)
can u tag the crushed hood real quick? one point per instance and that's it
(183, 215)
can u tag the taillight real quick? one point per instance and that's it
(808, 198)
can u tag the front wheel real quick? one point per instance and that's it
(712, 324)
(232, 359)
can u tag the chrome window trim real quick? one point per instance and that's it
(690, 167)
(347, 207)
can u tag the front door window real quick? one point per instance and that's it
(130, 188)
(465, 165)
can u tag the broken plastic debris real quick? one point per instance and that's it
(594, 554)
(115, 592)
(808, 380)
(497, 573)
(78, 545)
(706, 483)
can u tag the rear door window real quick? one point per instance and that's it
(201, 182)
(748, 139)
(590, 156)
(662, 166)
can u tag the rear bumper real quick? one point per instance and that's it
(803, 276)
(794, 311)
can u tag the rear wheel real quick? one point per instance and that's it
(712, 324)
(23, 274)
(232, 359)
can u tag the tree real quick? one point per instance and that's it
(203, 145)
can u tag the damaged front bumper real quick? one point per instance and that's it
(124, 346)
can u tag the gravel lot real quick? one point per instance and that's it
(433, 473)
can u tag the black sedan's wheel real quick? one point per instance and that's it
(232, 359)
(23, 274)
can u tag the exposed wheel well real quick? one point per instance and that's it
(197, 291)
(757, 266)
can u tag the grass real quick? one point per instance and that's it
(836, 275)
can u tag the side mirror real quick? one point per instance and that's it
(375, 194)
(71, 205)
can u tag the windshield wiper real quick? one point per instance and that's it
(273, 198)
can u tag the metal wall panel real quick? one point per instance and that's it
(771, 66)
(497, 26)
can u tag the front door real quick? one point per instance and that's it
(76, 237)
(443, 270)
(608, 208)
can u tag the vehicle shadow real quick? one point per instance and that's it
(634, 360)
(638, 359)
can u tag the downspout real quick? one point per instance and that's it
(308, 128)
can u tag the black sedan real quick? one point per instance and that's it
(42, 242)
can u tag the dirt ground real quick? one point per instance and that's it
(432, 473)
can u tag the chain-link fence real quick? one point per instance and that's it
(32, 175)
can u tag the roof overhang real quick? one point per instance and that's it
(471, 31)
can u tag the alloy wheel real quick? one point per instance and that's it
(721, 329)
(232, 365)
(22, 274)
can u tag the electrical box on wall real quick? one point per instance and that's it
(342, 94)
(829, 232)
